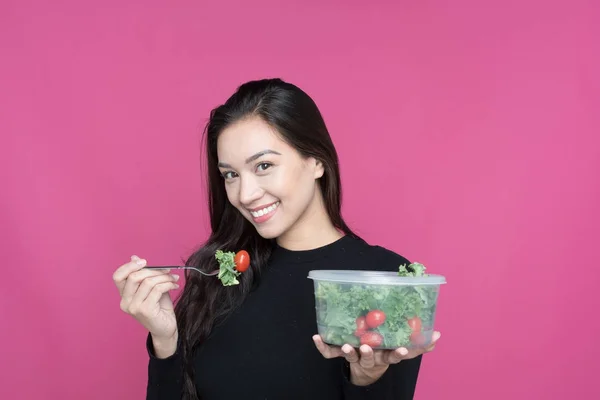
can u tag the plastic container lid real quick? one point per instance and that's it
(374, 277)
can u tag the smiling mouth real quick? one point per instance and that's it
(264, 211)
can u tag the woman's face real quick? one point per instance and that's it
(266, 179)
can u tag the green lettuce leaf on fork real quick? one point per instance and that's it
(227, 272)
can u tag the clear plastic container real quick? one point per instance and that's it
(378, 308)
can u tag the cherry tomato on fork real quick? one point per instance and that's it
(242, 260)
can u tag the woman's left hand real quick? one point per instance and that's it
(368, 365)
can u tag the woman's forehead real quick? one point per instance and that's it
(246, 138)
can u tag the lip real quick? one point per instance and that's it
(261, 207)
(265, 217)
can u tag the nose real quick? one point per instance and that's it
(250, 190)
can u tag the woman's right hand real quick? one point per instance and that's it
(145, 296)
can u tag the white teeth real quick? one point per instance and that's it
(264, 211)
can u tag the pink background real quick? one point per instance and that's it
(475, 123)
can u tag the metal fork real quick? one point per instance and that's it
(214, 273)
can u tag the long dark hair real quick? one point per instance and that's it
(204, 302)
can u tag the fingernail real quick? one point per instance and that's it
(176, 277)
(134, 257)
(140, 262)
(176, 286)
(403, 351)
(436, 336)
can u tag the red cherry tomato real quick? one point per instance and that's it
(415, 324)
(361, 324)
(359, 332)
(375, 318)
(417, 338)
(242, 260)
(372, 339)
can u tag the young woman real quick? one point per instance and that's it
(274, 190)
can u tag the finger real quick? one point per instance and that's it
(394, 357)
(145, 288)
(367, 358)
(121, 274)
(326, 350)
(157, 292)
(422, 350)
(434, 339)
(136, 278)
(350, 354)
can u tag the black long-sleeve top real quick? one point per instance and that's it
(265, 349)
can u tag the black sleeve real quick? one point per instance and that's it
(165, 375)
(397, 383)
(400, 380)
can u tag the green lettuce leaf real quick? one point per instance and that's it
(227, 272)
(413, 269)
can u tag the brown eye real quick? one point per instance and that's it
(229, 175)
(263, 166)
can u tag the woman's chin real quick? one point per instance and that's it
(269, 229)
(267, 232)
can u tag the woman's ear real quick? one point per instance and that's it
(319, 169)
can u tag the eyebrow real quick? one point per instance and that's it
(252, 158)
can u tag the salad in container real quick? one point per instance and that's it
(384, 310)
